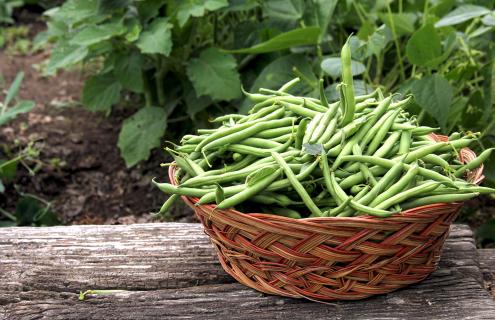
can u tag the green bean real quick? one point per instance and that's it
(259, 152)
(369, 210)
(423, 130)
(206, 131)
(311, 127)
(336, 211)
(228, 117)
(381, 133)
(300, 109)
(355, 139)
(396, 187)
(297, 185)
(277, 185)
(190, 192)
(260, 143)
(453, 197)
(284, 138)
(403, 127)
(323, 98)
(219, 194)
(386, 163)
(410, 193)
(247, 160)
(322, 125)
(423, 151)
(329, 131)
(348, 86)
(301, 129)
(239, 128)
(167, 205)
(286, 87)
(405, 141)
(475, 163)
(435, 159)
(243, 134)
(390, 176)
(249, 191)
(275, 132)
(346, 131)
(387, 145)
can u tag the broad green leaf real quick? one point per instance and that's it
(403, 22)
(127, 70)
(333, 67)
(379, 40)
(74, 11)
(157, 38)
(296, 37)
(11, 113)
(149, 9)
(100, 92)
(197, 8)
(456, 111)
(141, 133)
(424, 47)
(291, 10)
(320, 13)
(258, 175)
(214, 74)
(489, 19)
(95, 33)
(434, 94)
(13, 89)
(461, 14)
(64, 55)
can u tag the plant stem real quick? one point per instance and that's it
(148, 95)
(7, 214)
(397, 45)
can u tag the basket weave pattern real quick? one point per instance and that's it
(330, 258)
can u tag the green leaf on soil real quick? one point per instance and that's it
(141, 133)
(100, 92)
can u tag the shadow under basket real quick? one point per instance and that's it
(330, 258)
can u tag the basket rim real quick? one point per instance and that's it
(466, 154)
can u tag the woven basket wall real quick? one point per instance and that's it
(330, 258)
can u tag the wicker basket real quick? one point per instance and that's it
(330, 258)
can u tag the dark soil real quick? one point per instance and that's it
(83, 174)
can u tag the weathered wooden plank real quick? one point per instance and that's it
(134, 257)
(443, 296)
(43, 269)
(487, 266)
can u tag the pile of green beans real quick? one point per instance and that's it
(304, 157)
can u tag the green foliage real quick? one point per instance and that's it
(214, 74)
(141, 133)
(29, 210)
(7, 8)
(176, 55)
(190, 57)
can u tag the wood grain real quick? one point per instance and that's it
(170, 271)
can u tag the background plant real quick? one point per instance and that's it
(30, 209)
